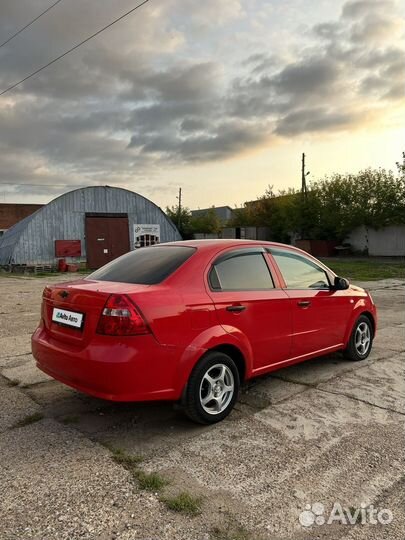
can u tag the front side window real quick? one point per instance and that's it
(245, 272)
(299, 272)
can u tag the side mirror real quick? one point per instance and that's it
(340, 284)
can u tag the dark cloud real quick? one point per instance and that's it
(222, 141)
(311, 76)
(193, 83)
(387, 84)
(147, 96)
(315, 120)
(190, 124)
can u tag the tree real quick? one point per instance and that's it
(182, 220)
(278, 211)
(188, 225)
(401, 167)
(374, 198)
(333, 207)
(208, 222)
(243, 217)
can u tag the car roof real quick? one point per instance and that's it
(214, 244)
(210, 244)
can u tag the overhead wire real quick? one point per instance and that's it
(29, 24)
(74, 47)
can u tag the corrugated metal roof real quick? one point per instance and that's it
(31, 241)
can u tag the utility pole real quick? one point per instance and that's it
(303, 179)
(179, 210)
(304, 197)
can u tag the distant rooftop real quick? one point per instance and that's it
(12, 213)
(224, 213)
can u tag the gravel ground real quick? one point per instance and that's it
(326, 431)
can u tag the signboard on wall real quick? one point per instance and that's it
(146, 234)
(68, 248)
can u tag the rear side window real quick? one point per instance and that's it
(245, 272)
(144, 266)
(299, 272)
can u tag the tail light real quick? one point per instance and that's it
(121, 318)
(47, 293)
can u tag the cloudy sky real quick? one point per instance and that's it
(219, 97)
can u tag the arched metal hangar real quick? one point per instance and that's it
(90, 225)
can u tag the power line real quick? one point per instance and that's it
(29, 24)
(74, 48)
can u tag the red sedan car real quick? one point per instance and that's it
(189, 321)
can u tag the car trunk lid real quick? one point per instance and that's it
(71, 311)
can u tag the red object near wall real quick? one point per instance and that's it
(305, 245)
(68, 248)
(62, 266)
(323, 248)
(318, 248)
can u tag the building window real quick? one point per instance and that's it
(146, 240)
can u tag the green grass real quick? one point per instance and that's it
(150, 481)
(367, 269)
(30, 419)
(184, 503)
(123, 458)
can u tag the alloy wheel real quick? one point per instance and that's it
(362, 339)
(217, 389)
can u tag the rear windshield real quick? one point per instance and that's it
(145, 266)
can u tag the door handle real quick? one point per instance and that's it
(304, 303)
(235, 309)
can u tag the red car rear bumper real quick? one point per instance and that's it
(134, 368)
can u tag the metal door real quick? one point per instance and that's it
(106, 239)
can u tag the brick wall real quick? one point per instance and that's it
(10, 213)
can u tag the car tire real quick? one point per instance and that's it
(361, 340)
(212, 389)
